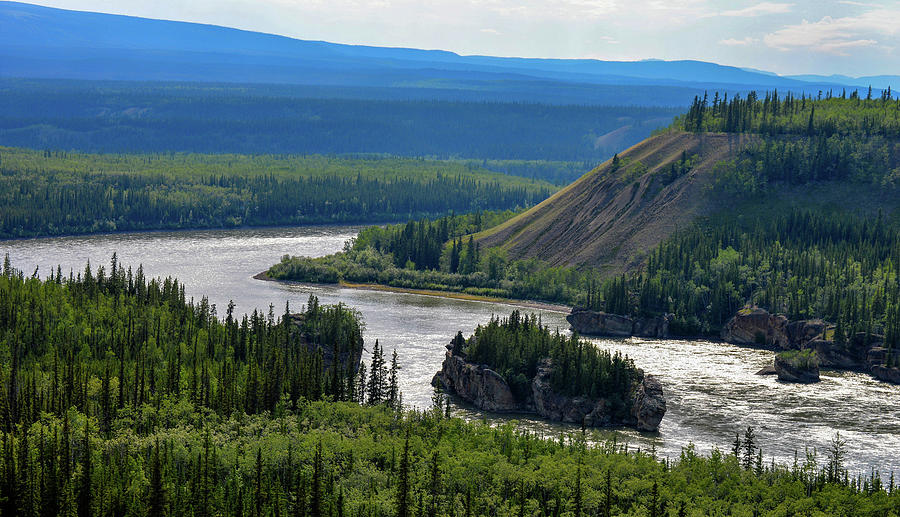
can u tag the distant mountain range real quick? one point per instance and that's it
(43, 42)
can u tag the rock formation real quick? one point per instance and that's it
(796, 371)
(597, 323)
(478, 384)
(755, 326)
(488, 390)
(886, 374)
(861, 352)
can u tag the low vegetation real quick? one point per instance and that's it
(800, 359)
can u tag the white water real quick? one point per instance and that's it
(711, 389)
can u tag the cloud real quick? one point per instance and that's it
(837, 35)
(732, 42)
(760, 9)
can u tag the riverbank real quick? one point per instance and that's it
(528, 304)
(176, 230)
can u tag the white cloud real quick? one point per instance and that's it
(760, 9)
(732, 42)
(837, 35)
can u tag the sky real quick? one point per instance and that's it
(826, 37)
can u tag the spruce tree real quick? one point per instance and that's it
(393, 381)
(316, 504)
(85, 494)
(403, 483)
(749, 447)
(157, 498)
(434, 485)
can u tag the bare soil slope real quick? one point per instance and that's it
(609, 219)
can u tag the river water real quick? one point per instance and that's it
(711, 388)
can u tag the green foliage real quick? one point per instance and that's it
(788, 115)
(51, 193)
(515, 347)
(155, 117)
(185, 437)
(839, 267)
(800, 359)
(108, 344)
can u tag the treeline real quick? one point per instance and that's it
(60, 193)
(812, 117)
(387, 256)
(420, 245)
(119, 397)
(139, 117)
(515, 347)
(804, 264)
(110, 340)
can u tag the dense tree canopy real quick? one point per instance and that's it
(516, 345)
(119, 397)
(51, 193)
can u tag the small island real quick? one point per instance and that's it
(516, 364)
(801, 366)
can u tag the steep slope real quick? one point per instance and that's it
(611, 216)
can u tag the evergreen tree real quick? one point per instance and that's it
(403, 483)
(316, 504)
(157, 498)
(393, 382)
(749, 447)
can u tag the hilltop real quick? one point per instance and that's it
(611, 217)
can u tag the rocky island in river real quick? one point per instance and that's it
(516, 365)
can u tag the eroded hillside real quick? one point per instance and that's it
(612, 215)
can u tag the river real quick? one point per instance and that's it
(711, 388)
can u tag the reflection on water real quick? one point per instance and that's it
(711, 388)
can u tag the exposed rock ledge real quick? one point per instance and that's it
(886, 374)
(488, 390)
(788, 372)
(596, 323)
(757, 327)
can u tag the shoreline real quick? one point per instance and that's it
(194, 229)
(530, 304)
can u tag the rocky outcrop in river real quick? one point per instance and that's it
(596, 323)
(861, 352)
(789, 369)
(755, 326)
(488, 390)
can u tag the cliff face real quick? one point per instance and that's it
(477, 384)
(861, 352)
(755, 326)
(605, 324)
(488, 390)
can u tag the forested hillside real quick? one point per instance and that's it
(52, 193)
(121, 398)
(125, 117)
(798, 217)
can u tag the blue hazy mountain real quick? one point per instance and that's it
(43, 42)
